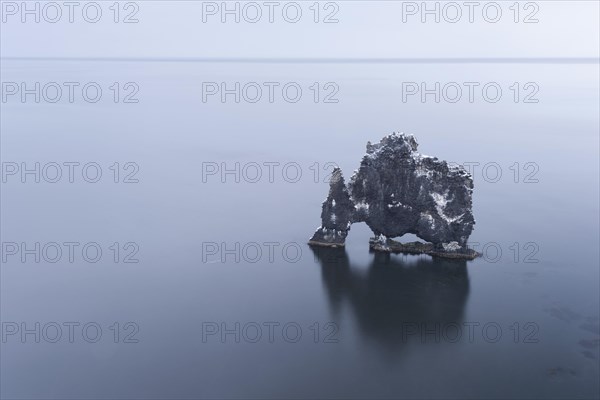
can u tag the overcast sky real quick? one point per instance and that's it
(385, 29)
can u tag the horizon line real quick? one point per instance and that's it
(332, 60)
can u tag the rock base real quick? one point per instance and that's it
(328, 237)
(326, 244)
(392, 246)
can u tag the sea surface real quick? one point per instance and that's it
(182, 270)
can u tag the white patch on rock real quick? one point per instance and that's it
(397, 204)
(362, 206)
(419, 172)
(441, 200)
(452, 246)
(381, 241)
(329, 234)
(430, 220)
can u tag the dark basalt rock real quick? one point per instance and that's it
(337, 214)
(397, 190)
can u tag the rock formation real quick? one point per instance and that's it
(396, 191)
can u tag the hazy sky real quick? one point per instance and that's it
(363, 29)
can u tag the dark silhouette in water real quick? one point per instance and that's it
(395, 301)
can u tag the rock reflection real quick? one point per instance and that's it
(396, 300)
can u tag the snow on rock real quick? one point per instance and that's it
(452, 246)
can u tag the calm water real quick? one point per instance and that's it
(522, 322)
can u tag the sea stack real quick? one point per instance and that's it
(397, 190)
